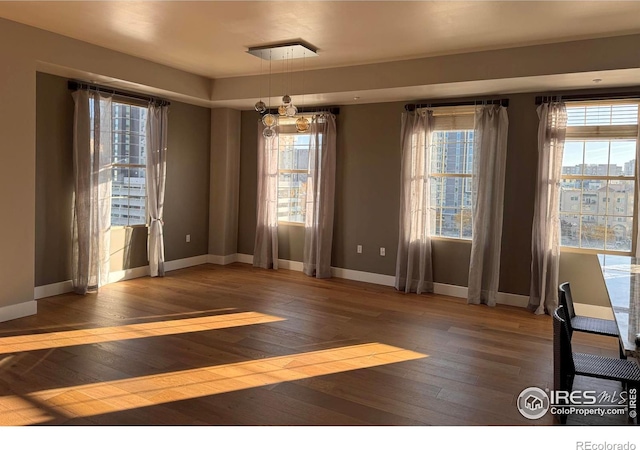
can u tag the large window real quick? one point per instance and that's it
(293, 165)
(128, 192)
(597, 190)
(450, 172)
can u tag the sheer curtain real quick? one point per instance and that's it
(92, 190)
(157, 120)
(321, 180)
(545, 243)
(265, 252)
(414, 271)
(489, 161)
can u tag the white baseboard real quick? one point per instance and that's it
(244, 258)
(20, 310)
(185, 262)
(290, 265)
(599, 312)
(49, 290)
(128, 274)
(63, 287)
(389, 280)
(450, 289)
(367, 277)
(504, 298)
(223, 260)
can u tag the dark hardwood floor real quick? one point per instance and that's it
(234, 345)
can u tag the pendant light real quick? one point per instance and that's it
(286, 108)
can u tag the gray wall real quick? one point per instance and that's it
(54, 179)
(367, 202)
(186, 207)
(186, 199)
(368, 196)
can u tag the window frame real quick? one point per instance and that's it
(126, 141)
(286, 126)
(450, 114)
(609, 133)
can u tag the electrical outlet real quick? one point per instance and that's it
(188, 238)
(359, 249)
(382, 251)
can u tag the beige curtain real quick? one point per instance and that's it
(545, 243)
(92, 190)
(414, 271)
(265, 253)
(321, 179)
(157, 122)
(489, 161)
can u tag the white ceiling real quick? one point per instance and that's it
(211, 38)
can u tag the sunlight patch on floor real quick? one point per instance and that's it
(110, 397)
(40, 341)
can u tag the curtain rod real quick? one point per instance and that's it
(587, 97)
(76, 85)
(311, 109)
(413, 106)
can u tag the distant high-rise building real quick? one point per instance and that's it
(129, 152)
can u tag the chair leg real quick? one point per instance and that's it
(623, 355)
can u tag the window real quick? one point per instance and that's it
(450, 172)
(597, 189)
(293, 165)
(129, 153)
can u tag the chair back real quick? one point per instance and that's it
(566, 299)
(563, 367)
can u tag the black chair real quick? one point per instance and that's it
(592, 325)
(567, 364)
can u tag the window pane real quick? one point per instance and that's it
(592, 231)
(452, 152)
(623, 157)
(436, 224)
(467, 224)
(594, 198)
(467, 194)
(570, 230)
(621, 194)
(292, 191)
(619, 233)
(570, 195)
(128, 190)
(596, 157)
(573, 158)
(436, 191)
(451, 220)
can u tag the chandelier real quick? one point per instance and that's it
(286, 52)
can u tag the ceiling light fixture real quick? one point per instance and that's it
(284, 52)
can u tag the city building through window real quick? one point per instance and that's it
(597, 189)
(450, 172)
(293, 169)
(129, 153)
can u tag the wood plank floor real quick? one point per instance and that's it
(234, 345)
